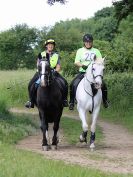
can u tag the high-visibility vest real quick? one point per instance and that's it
(53, 59)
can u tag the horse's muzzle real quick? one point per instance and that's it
(43, 84)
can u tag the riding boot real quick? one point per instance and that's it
(105, 96)
(32, 95)
(73, 88)
(71, 102)
(32, 91)
(64, 88)
(65, 101)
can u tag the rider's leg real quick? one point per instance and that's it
(105, 95)
(64, 85)
(32, 91)
(73, 87)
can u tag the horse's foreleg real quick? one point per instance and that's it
(82, 115)
(93, 126)
(44, 128)
(55, 138)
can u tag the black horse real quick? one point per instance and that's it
(49, 102)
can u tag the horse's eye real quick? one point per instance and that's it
(93, 69)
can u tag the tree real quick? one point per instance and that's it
(17, 47)
(52, 2)
(123, 8)
(105, 12)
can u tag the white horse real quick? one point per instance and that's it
(89, 97)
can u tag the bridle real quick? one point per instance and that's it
(94, 77)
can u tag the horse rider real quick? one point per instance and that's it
(84, 57)
(56, 66)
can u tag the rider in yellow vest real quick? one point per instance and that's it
(84, 57)
(56, 66)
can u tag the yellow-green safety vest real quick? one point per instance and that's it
(53, 59)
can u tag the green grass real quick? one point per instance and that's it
(19, 163)
(14, 87)
(13, 127)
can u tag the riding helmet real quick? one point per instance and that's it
(49, 41)
(87, 38)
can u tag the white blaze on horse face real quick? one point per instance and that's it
(43, 72)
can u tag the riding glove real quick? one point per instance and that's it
(84, 67)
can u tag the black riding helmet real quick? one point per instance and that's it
(87, 38)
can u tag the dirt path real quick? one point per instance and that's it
(114, 154)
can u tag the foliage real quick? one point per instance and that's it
(52, 2)
(20, 45)
(16, 47)
(67, 62)
(120, 86)
(103, 13)
(123, 8)
(14, 128)
(67, 38)
(105, 28)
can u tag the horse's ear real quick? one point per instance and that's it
(104, 58)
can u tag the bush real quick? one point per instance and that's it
(120, 88)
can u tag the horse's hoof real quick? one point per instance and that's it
(54, 147)
(92, 146)
(92, 149)
(82, 139)
(45, 148)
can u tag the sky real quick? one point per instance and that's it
(37, 13)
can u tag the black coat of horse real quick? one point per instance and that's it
(49, 102)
